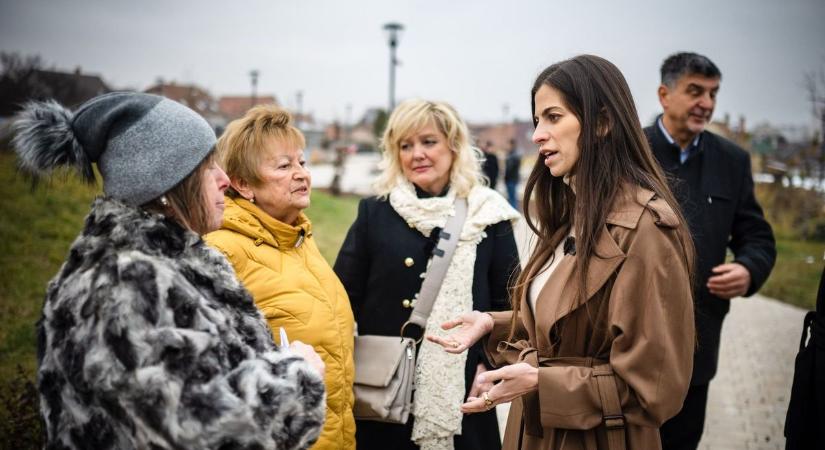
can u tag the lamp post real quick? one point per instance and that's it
(393, 31)
(253, 77)
(299, 108)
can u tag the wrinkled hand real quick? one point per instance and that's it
(730, 280)
(472, 327)
(516, 380)
(479, 387)
(309, 354)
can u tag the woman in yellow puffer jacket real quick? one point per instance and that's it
(269, 241)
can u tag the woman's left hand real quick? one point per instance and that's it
(479, 387)
(516, 380)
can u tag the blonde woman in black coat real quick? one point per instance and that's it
(428, 162)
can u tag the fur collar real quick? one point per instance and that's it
(131, 228)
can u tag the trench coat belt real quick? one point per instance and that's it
(612, 416)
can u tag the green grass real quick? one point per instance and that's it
(36, 230)
(331, 218)
(38, 226)
(794, 213)
(795, 277)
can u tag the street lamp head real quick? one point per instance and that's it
(393, 31)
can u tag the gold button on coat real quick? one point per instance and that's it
(409, 262)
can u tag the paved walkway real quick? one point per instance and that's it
(360, 170)
(749, 396)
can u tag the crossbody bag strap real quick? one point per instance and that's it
(442, 255)
(612, 416)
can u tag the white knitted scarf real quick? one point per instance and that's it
(439, 376)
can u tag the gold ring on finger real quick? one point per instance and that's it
(487, 402)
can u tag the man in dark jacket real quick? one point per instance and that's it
(711, 178)
(512, 165)
(490, 165)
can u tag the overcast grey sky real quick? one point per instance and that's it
(478, 55)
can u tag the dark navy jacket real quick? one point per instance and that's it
(715, 191)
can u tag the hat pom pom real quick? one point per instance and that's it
(44, 140)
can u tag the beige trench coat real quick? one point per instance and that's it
(642, 331)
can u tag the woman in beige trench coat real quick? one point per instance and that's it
(598, 350)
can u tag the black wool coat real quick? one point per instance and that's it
(806, 408)
(381, 263)
(490, 168)
(715, 190)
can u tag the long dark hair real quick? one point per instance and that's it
(613, 151)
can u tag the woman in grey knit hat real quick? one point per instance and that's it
(147, 340)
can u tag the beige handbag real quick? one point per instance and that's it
(384, 373)
(385, 365)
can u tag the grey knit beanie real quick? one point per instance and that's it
(143, 144)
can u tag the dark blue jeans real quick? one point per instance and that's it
(511, 193)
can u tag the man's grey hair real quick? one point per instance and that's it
(680, 64)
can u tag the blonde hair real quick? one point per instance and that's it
(242, 147)
(411, 116)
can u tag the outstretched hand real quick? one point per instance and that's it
(472, 326)
(514, 380)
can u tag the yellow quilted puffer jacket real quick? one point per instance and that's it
(296, 289)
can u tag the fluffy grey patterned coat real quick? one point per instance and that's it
(147, 340)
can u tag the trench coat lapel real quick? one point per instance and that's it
(558, 296)
(554, 301)
(528, 319)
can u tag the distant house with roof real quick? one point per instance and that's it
(500, 134)
(68, 88)
(193, 96)
(232, 107)
(736, 133)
